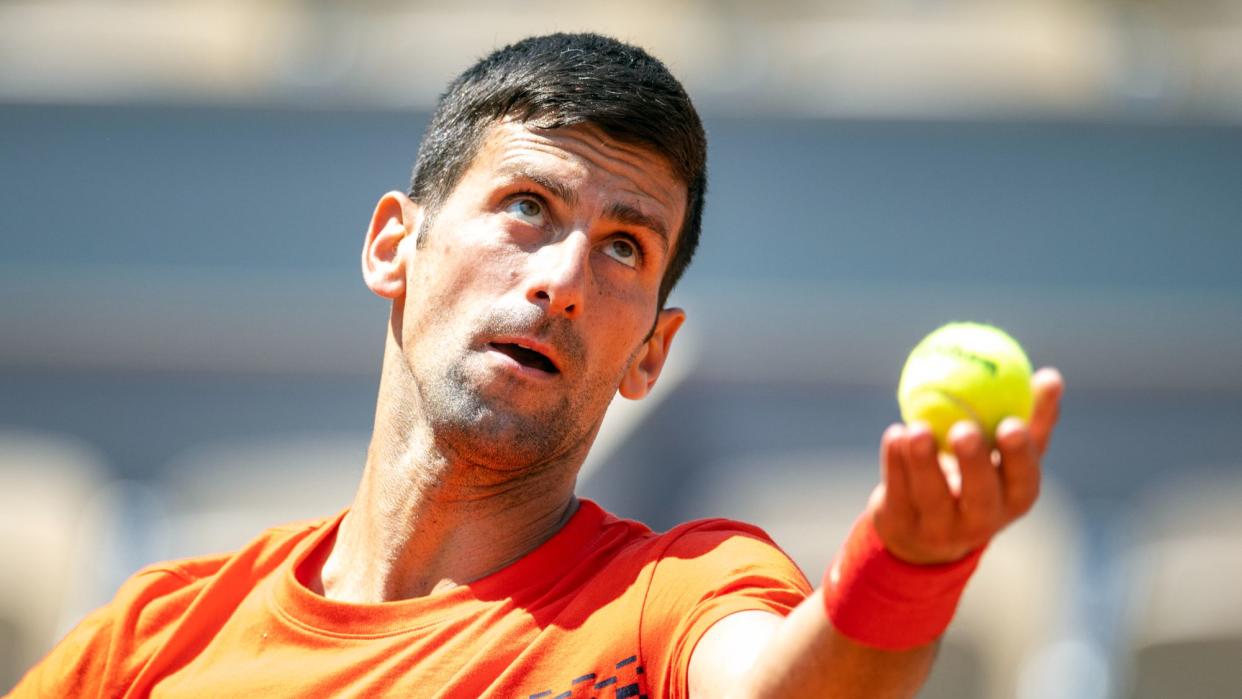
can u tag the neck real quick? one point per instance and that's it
(425, 520)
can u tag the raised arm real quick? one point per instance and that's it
(872, 630)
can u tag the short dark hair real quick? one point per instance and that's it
(560, 80)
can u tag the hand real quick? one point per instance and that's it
(936, 509)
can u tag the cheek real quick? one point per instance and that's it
(627, 296)
(624, 319)
(471, 257)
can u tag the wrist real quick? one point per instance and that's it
(879, 600)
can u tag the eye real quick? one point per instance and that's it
(528, 209)
(623, 250)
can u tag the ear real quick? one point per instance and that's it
(645, 369)
(396, 220)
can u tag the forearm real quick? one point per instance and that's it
(870, 632)
(807, 657)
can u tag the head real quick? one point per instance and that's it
(556, 200)
(562, 80)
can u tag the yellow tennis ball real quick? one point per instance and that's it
(965, 371)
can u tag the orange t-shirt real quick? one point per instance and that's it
(605, 607)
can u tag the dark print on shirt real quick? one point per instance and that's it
(626, 681)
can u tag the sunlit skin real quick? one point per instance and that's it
(926, 511)
(556, 241)
(541, 242)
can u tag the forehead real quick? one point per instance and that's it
(586, 159)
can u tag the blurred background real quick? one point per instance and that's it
(187, 352)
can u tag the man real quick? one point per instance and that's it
(556, 200)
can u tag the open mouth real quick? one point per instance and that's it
(526, 356)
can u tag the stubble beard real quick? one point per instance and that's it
(473, 417)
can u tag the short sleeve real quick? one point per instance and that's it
(110, 644)
(708, 571)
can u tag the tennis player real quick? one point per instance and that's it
(556, 200)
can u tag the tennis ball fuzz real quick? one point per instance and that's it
(965, 371)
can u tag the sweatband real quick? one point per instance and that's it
(881, 601)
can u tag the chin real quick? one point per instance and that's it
(507, 445)
(502, 437)
(477, 418)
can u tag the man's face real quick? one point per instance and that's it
(530, 299)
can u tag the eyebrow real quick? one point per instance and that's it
(559, 189)
(618, 211)
(631, 216)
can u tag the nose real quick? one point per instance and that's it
(558, 276)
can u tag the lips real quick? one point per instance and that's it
(526, 355)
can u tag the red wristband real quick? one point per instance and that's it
(879, 600)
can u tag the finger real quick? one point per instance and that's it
(929, 490)
(980, 503)
(1019, 467)
(896, 495)
(1048, 386)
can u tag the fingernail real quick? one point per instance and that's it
(966, 437)
(1010, 424)
(921, 440)
(1011, 431)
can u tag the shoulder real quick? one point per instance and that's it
(700, 547)
(696, 565)
(710, 553)
(173, 584)
(111, 644)
(261, 554)
(694, 550)
(704, 571)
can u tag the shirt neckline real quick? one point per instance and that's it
(519, 580)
